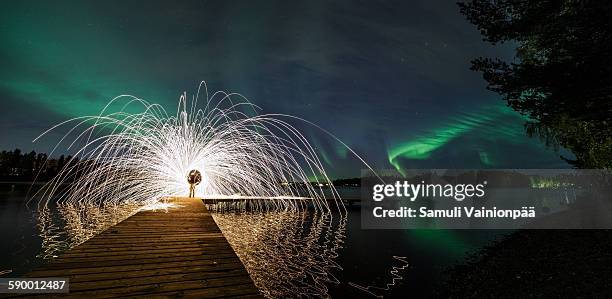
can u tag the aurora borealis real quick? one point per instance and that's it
(482, 131)
(390, 79)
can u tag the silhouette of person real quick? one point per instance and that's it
(191, 190)
(193, 178)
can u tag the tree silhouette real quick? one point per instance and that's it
(561, 76)
(18, 166)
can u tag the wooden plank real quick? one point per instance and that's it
(155, 254)
(145, 250)
(218, 271)
(133, 268)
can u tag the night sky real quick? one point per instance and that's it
(391, 79)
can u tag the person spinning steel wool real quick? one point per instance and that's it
(193, 178)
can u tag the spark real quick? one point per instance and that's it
(258, 165)
(143, 157)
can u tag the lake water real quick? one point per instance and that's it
(285, 253)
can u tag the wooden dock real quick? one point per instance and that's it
(154, 254)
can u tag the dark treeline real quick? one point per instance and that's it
(561, 76)
(18, 166)
(351, 182)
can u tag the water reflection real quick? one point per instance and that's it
(287, 254)
(67, 225)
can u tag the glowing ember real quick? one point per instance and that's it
(141, 158)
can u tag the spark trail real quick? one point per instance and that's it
(125, 158)
(257, 165)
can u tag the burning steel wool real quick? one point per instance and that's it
(216, 148)
(143, 157)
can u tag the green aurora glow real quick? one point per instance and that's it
(488, 123)
(63, 60)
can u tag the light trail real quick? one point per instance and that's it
(258, 165)
(141, 158)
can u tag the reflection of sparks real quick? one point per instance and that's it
(395, 274)
(139, 158)
(286, 254)
(159, 206)
(69, 225)
(133, 161)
